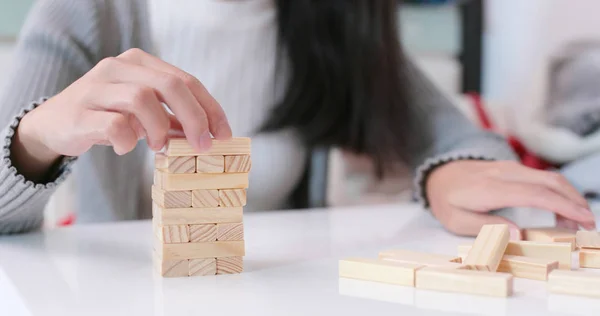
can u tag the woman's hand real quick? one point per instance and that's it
(461, 193)
(117, 103)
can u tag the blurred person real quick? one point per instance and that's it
(291, 74)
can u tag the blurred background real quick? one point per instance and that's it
(502, 61)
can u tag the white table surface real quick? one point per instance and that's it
(290, 269)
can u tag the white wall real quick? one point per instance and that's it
(6, 50)
(521, 37)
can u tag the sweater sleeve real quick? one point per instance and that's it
(56, 47)
(443, 134)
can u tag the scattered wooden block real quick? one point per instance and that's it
(560, 252)
(205, 198)
(465, 281)
(210, 164)
(550, 234)
(172, 268)
(589, 258)
(177, 216)
(425, 259)
(203, 233)
(230, 265)
(238, 163)
(232, 197)
(230, 231)
(234, 146)
(203, 250)
(587, 239)
(201, 181)
(171, 234)
(202, 267)
(576, 282)
(527, 268)
(488, 248)
(175, 164)
(379, 271)
(171, 199)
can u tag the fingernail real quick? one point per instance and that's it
(205, 141)
(515, 233)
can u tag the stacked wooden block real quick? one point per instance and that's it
(198, 201)
(488, 266)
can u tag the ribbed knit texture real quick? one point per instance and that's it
(63, 39)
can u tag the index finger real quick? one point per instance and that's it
(217, 120)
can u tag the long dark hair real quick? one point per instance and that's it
(345, 88)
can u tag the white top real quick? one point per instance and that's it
(290, 269)
(231, 47)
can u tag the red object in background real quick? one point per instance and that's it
(527, 158)
(67, 220)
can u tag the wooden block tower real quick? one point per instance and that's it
(198, 200)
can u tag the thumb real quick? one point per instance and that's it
(475, 220)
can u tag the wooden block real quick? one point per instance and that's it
(488, 248)
(463, 251)
(231, 231)
(202, 181)
(210, 164)
(175, 164)
(202, 267)
(560, 252)
(171, 199)
(205, 198)
(230, 265)
(526, 267)
(589, 258)
(177, 216)
(239, 163)
(384, 271)
(171, 234)
(192, 250)
(234, 146)
(203, 233)
(422, 258)
(550, 234)
(465, 281)
(172, 268)
(232, 197)
(578, 282)
(587, 239)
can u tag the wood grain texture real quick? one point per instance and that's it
(203, 233)
(578, 282)
(203, 267)
(527, 268)
(205, 198)
(171, 199)
(550, 234)
(465, 281)
(232, 197)
(188, 216)
(230, 231)
(230, 265)
(172, 268)
(238, 163)
(589, 258)
(171, 234)
(560, 252)
(375, 270)
(210, 164)
(588, 239)
(160, 161)
(203, 250)
(234, 146)
(422, 258)
(202, 181)
(488, 248)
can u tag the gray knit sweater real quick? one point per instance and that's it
(63, 39)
